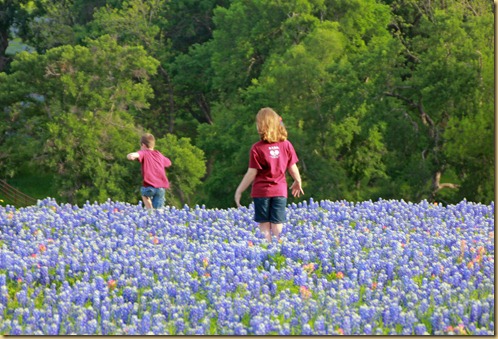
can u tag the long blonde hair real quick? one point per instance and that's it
(270, 126)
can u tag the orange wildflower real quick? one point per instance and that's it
(309, 268)
(305, 292)
(111, 284)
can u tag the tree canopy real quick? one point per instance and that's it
(381, 98)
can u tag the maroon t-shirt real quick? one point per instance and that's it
(272, 161)
(153, 164)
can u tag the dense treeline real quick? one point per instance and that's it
(390, 99)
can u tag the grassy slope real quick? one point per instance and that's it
(38, 186)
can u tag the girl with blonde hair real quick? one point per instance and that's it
(269, 160)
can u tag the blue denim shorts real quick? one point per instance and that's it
(270, 210)
(155, 194)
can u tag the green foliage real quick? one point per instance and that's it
(187, 169)
(192, 77)
(190, 22)
(278, 260)
(474, 160)
(445, 82)
(228, 141)
(380, 98)
(133, 23)
(90, 159)
(35, 183)
(283, 285)
(213, 325)
(15, 18)
(81, 119)
(325, 102)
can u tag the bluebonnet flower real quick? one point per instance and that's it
(258, 325)
(145, 324)
(16, 328)
(420, 329)
(346, 325)
(366, 313)
(423, 307)
(475, 311)
(285, 329)
(485, 319)
(437, 321)
(307, 330)
(91, 327)
(4, 295)
(95, 240)
(158, 324)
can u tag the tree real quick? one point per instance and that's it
(322, 76)
(380, 98)
(190, 22)
(187, 169)
(226, 144)
(76, 104)
(15, 17)
(59, 23)
(469, 135)
(445, 78)
(167, 30)
(246, 35)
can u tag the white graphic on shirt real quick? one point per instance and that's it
(274, 151)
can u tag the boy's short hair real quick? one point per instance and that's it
(148, 140)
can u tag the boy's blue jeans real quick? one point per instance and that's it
(155, 194)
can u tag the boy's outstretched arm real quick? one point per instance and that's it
(132, 156)
(246, 181)
(296, 187)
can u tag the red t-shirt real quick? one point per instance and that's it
(272, 161)
(153, 164)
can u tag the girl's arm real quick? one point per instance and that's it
(246, 181)
(296, 187)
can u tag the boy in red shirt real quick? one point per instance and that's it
(269, 160)
(153, 163)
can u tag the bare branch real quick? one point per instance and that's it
(426, 119)
(448, 185)
(437, 185)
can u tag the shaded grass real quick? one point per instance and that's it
(37, 186)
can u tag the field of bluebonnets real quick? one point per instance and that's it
(385, 267)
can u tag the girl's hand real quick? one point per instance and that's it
(296, 189)
(246, 181)
(237, 198)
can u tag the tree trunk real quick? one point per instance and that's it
(209, 168)
(171, 97)
(180, 195)
(206, 110)
(437, 185)
(4, 43)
